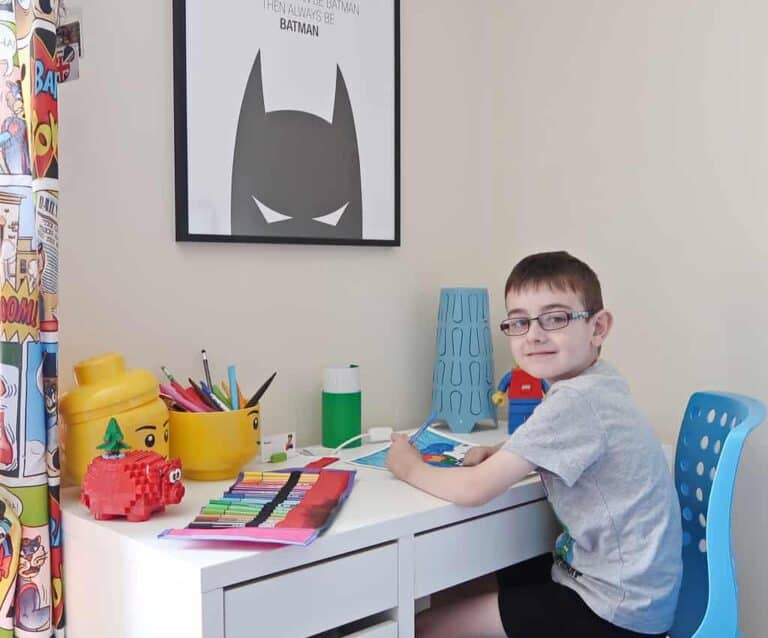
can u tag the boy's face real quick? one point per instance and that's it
(556, 354)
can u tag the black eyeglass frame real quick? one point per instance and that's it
(569, 316)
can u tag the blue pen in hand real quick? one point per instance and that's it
(415, 436)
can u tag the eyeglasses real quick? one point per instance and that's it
(555, 320)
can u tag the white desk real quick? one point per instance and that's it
(389, 545)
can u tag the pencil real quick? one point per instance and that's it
(260, 392)
(206, 369)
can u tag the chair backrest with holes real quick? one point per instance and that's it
(715, 426)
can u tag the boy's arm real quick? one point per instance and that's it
(462, 485)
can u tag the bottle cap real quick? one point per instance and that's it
(341, 379)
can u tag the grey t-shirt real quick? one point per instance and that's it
(609, 484)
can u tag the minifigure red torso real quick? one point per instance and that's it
(524, 386)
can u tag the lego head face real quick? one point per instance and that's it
(152, 436)
(171, 485)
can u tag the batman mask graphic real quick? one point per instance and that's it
(293, 173)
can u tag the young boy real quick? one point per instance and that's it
(616, 568)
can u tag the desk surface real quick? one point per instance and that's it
(379, 508)
(127, 562)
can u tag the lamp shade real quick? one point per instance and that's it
(462, 383)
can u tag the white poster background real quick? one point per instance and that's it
(298, 73)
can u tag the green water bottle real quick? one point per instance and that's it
(342, 405)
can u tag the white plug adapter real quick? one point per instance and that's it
(377, 435)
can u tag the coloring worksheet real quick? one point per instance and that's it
(436, 448)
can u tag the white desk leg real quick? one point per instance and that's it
(405, 587)
(213, 614)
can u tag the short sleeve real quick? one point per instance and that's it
(563, 436)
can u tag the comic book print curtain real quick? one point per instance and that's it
(31, 594)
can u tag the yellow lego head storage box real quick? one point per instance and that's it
(106, 389)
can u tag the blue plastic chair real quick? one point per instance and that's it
(712, 435)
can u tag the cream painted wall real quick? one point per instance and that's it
(630, 133)
(635, 135)
(127, 286)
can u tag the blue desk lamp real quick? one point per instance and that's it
(462, 383)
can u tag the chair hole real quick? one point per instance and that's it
(702, 520)
(684, 489)
(685, 465)
(685, 440)
(733, 423)
(687, 514)
(724, 419)
(711, 416)
(716, 447)
(699, 494)
(704, 442)
(700, 468)
(698, 412)
(686, 538)
(712, 473)
(703, 546)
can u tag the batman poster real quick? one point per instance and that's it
(287, 121)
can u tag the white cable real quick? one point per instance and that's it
(348, 441)
(374, 434)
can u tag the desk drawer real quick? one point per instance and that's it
(311, 599)
(463, 551)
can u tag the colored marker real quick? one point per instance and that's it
(176, 385)
(260, 392)
(179, 398)
(220, 395)
(233, 384)
(227, 393)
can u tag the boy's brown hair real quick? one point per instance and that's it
(560, 271)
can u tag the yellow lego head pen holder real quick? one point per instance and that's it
(214, 446)
(107, 389)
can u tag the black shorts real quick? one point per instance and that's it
(532, 605)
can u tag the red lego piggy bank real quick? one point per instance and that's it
(135, 485)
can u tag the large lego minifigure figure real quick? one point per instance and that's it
(524, 393)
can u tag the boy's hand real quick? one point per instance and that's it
(478, 454)
(402, 457)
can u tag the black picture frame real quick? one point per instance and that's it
(389, 215)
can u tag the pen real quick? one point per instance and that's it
(415, 436)
(206, 369)
(260, 392)
(233, 384)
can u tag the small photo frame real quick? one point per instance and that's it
(287, 121)
(280, 442)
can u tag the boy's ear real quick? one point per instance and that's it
(602, 326)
